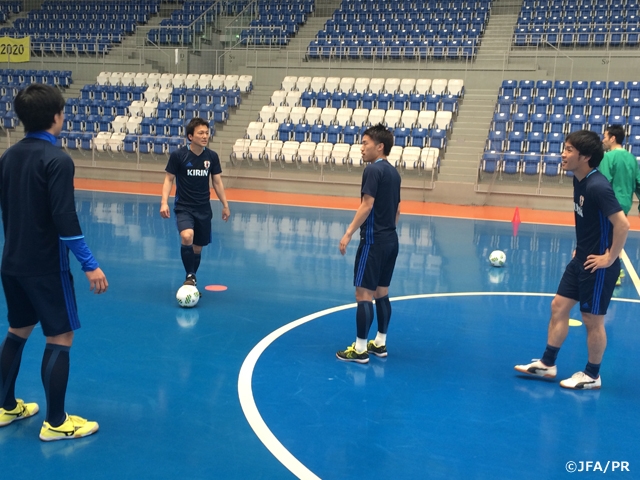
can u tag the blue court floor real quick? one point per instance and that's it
(246, 385)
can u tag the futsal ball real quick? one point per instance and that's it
(497, 258)
(188, 296)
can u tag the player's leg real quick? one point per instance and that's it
(566, 297)
(365, 279)
(378, 346)
(22, 319)
(56, 307)
(186, 224)
(596, 290)
(202, 234)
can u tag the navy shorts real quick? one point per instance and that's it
(374, 265)
(197, 220)
(593, 291)
(48, 299)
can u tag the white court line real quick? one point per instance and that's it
(245, 392)
(630, 270)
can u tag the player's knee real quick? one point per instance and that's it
(187, 237)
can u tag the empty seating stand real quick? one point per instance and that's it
(376, 29)
(578, 24)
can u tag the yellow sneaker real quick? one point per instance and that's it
(619, 281)
(73, 427)
(622, 274)
(22, 411)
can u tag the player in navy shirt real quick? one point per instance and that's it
(191, 167)
(40, 227)
(590, 277)
(376, 218)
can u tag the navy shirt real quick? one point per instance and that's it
(192, 174)
(38, 207)
(381, 181)
(594, 201)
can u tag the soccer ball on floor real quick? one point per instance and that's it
(188, 296)
(497, 258)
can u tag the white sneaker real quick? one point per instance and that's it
(581, 381)
(537, 369)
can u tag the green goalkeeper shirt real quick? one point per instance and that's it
(621, 169)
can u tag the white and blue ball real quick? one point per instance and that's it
(188, 296)
(497, 258)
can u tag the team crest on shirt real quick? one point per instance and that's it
(581, 197)
(206, 164)
(578, 207)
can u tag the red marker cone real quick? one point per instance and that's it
(516, 221)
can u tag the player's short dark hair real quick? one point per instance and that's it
(194, 123)
(37, 105)
(380, 134)
(588, 144)
(616, 131)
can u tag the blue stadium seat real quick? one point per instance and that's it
(505, 104)
(490, 161)
(438, 138)
(351, 134)
(301, 132)
(618, 106)
(334, 133)
(551, 164)
(531, 164)
(555, 142)
(597, 123)
(511, 162)
(496, 140)
(419, 137)
(318, 133)
(308, 99)
(538, 122)
(576, 122)
(535, 142)
(401, 136)
(597, 88)
(541, 104)
(500, 121)
(516, 141)
(597, 105)
(520, 122)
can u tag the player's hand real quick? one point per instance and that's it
(594, 262)
(164, 210)
(226, 213)
(97, 281)
(344, 242)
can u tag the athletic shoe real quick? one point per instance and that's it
(73, 427)
(22, 411)
(378, 351)
(622, 274)
(350, 355)
(191, 280)
(537, 369)
(581, 381)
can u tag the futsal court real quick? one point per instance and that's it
(246, 385)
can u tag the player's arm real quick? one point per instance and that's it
(169, 178)
(65, 219)
(218, 187)
(620, 231)
(366, 205)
